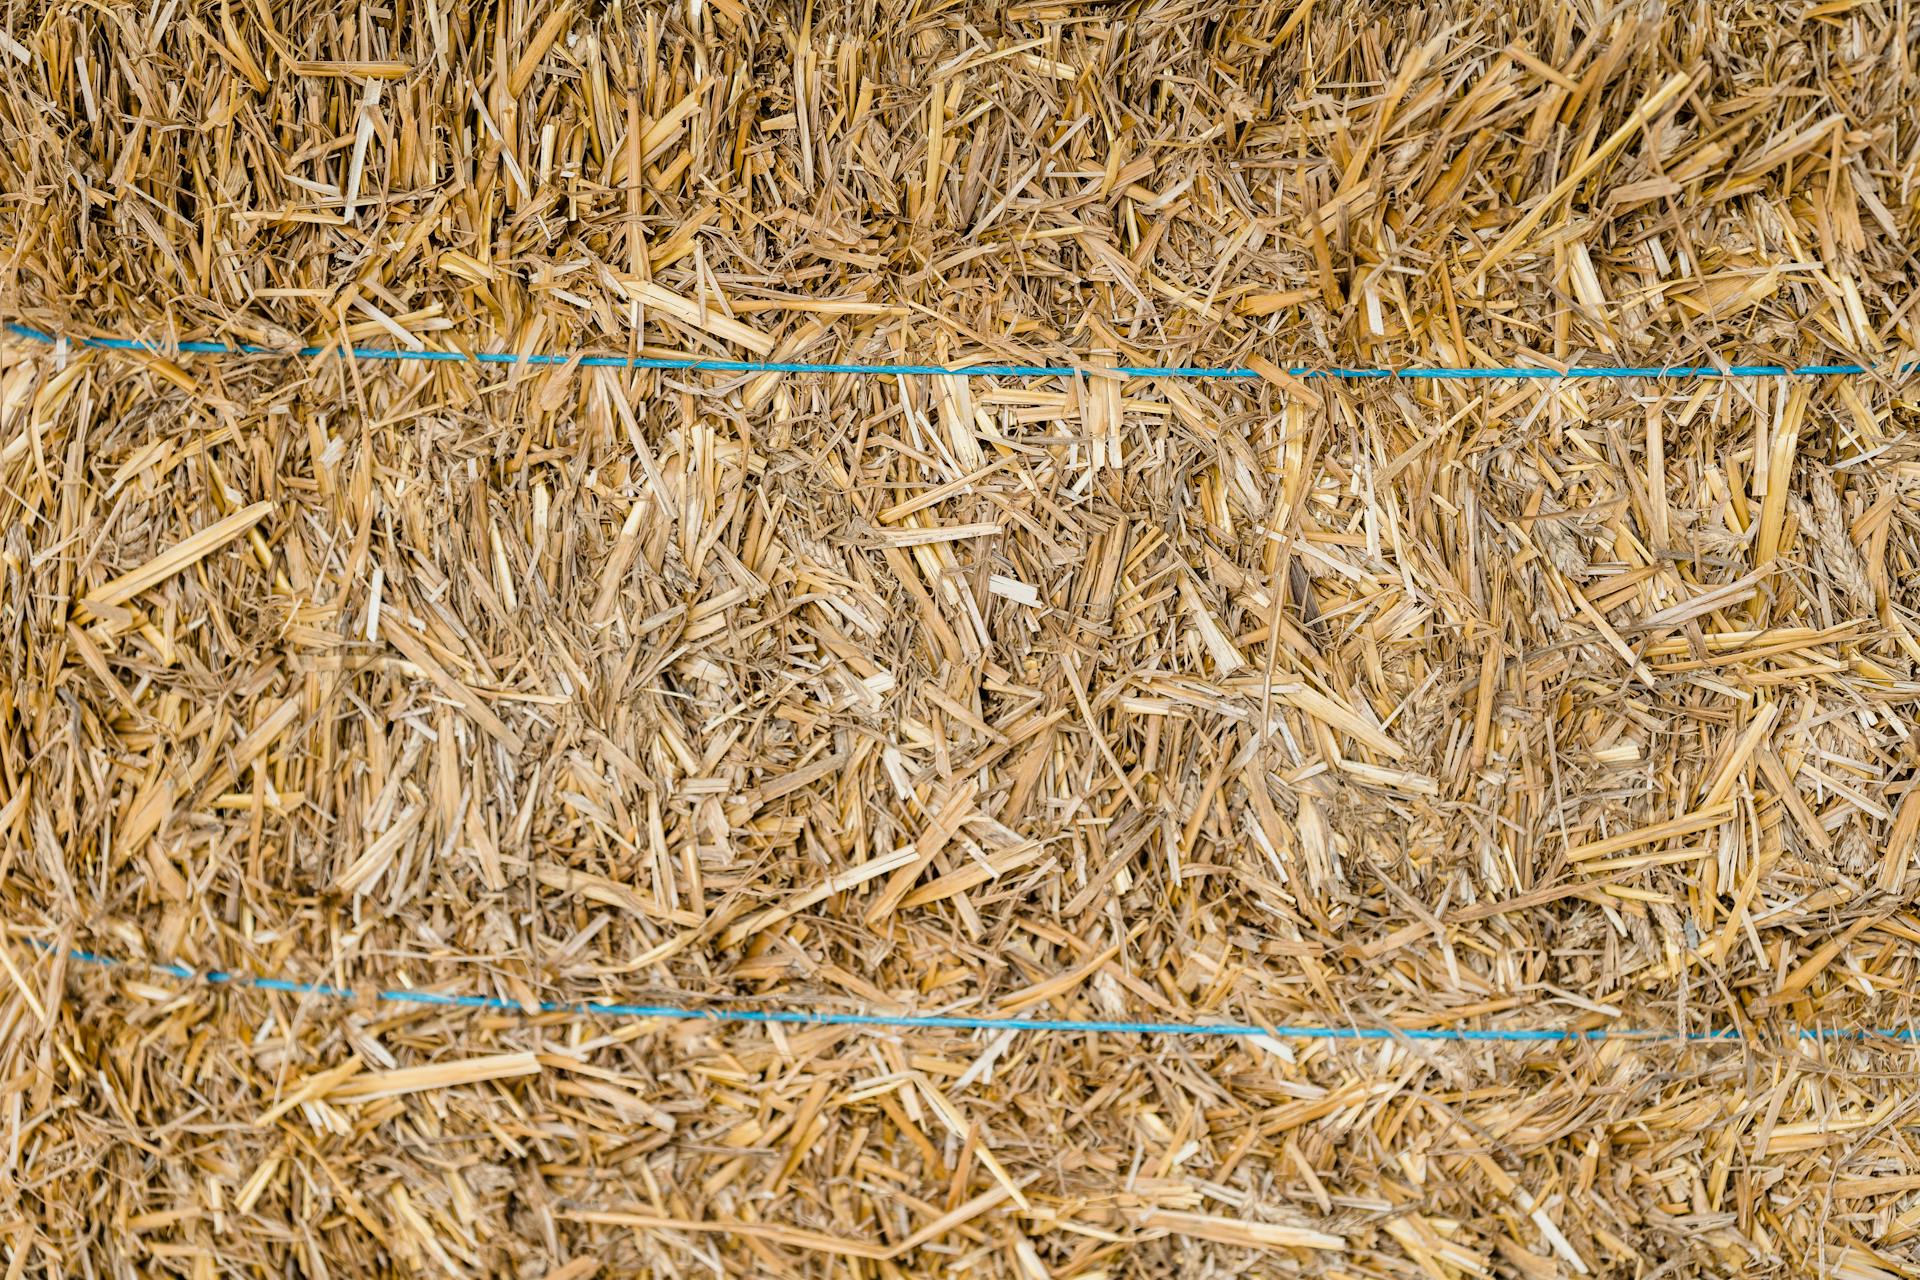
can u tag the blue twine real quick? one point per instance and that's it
(693, 365)
(817, 1018)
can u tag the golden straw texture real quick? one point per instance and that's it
(1409, 704)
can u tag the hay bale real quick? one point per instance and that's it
(1418, 706)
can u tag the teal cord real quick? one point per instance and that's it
(822, 1018)
(694, 365)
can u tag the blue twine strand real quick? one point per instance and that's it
(820, 1017)
(690, 364)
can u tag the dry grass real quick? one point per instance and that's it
(1410, 704)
